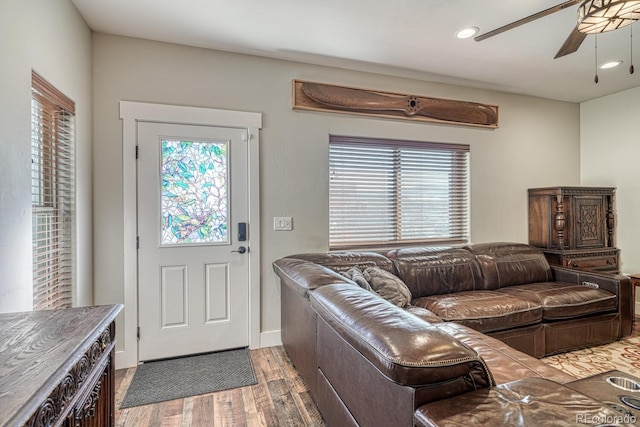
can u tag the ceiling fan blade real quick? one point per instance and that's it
(572, 43)
(528, 19)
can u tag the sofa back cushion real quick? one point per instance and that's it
(303, 276)
(306, 272)
(434, 271)
(508, 264)
(344, 261)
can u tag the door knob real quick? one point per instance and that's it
(241, 250)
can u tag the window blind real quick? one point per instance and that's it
(388, 192)
(53, 195)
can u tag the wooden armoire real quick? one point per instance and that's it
(575, 226)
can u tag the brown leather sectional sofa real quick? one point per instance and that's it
(478, 316)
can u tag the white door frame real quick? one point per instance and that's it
(133, 112)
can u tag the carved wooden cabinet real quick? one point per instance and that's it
(57, 367)
(575, 226)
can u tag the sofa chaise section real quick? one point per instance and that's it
(377, 363)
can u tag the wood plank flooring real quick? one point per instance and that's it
(279, 399)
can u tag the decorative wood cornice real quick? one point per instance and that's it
(575, 191)
(323, 97)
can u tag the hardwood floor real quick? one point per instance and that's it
(279, 399)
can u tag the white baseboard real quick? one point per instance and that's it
(125, 359)
(270, 339)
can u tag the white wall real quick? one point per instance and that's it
(51, 38)
(610, 152)
(536, 145)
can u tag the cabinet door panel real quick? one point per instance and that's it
(589, 222)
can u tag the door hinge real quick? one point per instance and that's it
(137, 242)
(138, 332)
(137, 152)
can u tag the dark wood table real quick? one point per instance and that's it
(57, 367)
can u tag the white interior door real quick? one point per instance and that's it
(193, 278)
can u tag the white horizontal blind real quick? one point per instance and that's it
(53, 195)
(388, 192)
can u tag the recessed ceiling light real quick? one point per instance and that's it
(610, 64)
(467, 32)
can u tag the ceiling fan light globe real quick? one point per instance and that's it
(600, 16)
(610, 64)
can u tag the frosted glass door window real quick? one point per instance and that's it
(194, 198)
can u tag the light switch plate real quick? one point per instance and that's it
(282, 223)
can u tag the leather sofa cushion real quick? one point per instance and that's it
(526, 402)
(508, 264)
(403, 347)
(423, 313)
(561, 300)
(435, 271)
(484, 311)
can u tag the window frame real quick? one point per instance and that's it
(343, 154)
(53, 195)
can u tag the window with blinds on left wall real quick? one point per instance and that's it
(53, 195)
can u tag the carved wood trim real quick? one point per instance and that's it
(57, 405)
(580, 191)
(341, 99)
(88, 408)
(611, 220)
(560, 222)
(603, 254)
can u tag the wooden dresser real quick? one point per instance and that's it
(575, 226)
(57, 367)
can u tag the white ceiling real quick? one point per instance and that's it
(409, 38)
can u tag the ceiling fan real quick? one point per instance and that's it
(571, 44)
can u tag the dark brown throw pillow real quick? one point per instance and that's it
(388, 286)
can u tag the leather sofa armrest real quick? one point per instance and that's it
(613, 283)
(617, 284)
(303, 276)
(403, 347)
